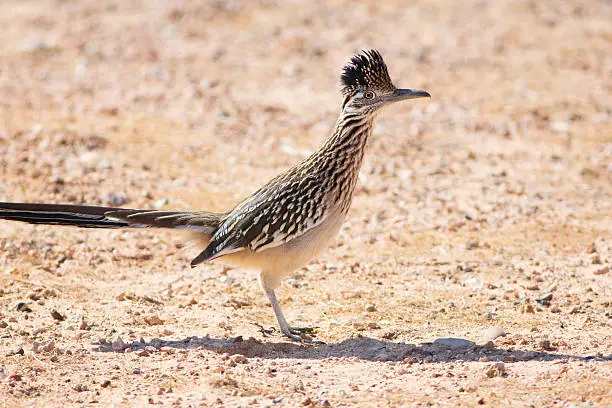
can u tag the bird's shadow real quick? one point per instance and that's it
(361, 348)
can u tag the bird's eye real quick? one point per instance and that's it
(368, 94)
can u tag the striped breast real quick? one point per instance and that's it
(299, 199)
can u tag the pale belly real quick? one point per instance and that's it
(275, 263)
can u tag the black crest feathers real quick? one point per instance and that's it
(366, 70)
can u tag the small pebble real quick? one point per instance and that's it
(546, 345)
(57, 315)
(153, 320)
(472, 244)
(22, 307)
(527, 309)
(48, 346)
(370, 308)
(493, 332)
(117, 345)
(595, 259)
(160, 203)
(239, 359)
(14, 377)
(115, 199)
(545, 299)
(602, 271)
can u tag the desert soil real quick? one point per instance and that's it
(471, 206)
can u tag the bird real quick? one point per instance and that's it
(288, 221)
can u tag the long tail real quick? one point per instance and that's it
(109, 217)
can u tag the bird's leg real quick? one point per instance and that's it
(292, 333)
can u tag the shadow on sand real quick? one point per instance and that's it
(361, 348)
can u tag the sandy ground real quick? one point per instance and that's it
(472, 205)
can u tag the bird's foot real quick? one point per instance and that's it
(300, 335)
(302, 330)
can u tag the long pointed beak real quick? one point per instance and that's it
(403, 94)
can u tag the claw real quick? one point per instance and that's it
(295, 335)
(308, 330)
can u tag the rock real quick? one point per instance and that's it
(80, 388)
(453, 343)
(3, 324)
(370, 308)
(18, 351)
(560, 127)
(545, 299)
(496, 370)
(115, 199)
(23, 307)
(472, 244)
(493, 332)
(546, 345)
(153, 320)
(33, 296)
(602, 271)
(527, 308)
(105, 383)
(48, 346)
(57, 315)
(239, 359)
(14, 377)
(118, 345)
(489, 345)
(160, 203)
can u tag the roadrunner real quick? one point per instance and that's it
(288, 221)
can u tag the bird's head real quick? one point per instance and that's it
(367, 87)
